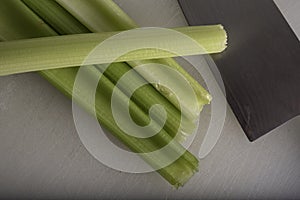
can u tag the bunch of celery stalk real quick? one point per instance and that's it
(23, 20)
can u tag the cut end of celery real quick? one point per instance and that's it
(225, 37)
(185, 178)
(178, 174)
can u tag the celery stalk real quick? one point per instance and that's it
(64, 23)
(105, 15)
(71, 50)
(177, 173)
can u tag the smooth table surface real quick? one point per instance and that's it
(42, 156)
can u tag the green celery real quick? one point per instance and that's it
(71, 50)
(177, 173)
(105, 15)
(64, 23)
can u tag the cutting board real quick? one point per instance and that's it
(261, 67)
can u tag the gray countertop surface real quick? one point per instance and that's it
(42, 156)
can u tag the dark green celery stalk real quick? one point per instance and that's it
(177, 173)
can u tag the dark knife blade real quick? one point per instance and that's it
(261, 67)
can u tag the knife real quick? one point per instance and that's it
(261, 67)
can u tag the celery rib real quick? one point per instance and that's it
(105, 15)
(176, 173)
(145, 98)
(61, 21)
(71, 50)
